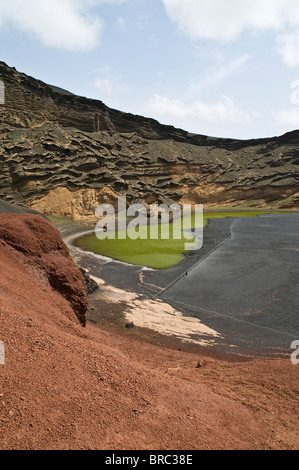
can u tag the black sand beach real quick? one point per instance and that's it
(242, 284)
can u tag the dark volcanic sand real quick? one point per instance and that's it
(244, 286)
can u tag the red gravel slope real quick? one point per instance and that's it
(66, 386)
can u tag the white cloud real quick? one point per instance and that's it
(164, 107)
(220, 74)
(65, 24)
(104, 86)
(295, 94)
(108, 86)
(288, 46)
(121, 24)
(287, 118)
(223, 110)
(226, 20)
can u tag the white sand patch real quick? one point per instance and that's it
(159, 316)
(162, 318)
(113, 294)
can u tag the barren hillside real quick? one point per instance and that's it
(63, 154)
(69, 386)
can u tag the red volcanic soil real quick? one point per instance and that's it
(69, 386)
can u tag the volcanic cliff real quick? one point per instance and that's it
(63, 154)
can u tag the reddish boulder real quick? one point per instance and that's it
(40, 248)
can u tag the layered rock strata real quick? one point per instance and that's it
(62, 154)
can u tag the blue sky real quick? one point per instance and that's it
(226, 68)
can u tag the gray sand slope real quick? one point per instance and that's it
(248, 289)
(7, 208)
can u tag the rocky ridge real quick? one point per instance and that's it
(62, 154)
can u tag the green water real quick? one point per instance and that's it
(161, 253)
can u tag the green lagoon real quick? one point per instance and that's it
(164, 252)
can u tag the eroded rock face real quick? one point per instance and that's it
(38, 245)
(63, 155)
